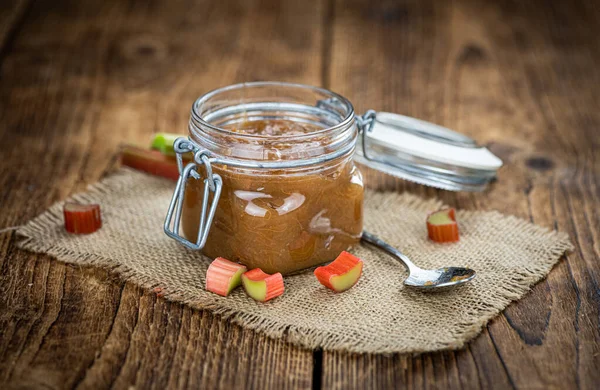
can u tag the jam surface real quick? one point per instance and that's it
(274, 128)
(277, 220)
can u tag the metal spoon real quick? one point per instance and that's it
(423, 278)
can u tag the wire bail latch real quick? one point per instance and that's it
(212, 183)
(365, 125)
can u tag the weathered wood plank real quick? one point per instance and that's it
(12, 14)
(78, 80)
(504, 74)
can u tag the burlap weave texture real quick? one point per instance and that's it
(378, 315)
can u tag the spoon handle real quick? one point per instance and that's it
(379, 243)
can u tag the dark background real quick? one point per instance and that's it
(79, 78)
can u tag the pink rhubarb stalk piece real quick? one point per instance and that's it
(150, 161)
(223, 276)
(442, 226)
(342, 273)
(82, 218)
(262, 286)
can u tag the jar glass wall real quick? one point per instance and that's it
(303, 205)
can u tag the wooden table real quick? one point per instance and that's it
(79, 78)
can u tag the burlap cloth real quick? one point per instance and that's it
(378, 315)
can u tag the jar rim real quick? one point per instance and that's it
(204, 98)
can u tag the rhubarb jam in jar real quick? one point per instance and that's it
(290, 195)
(267, 175)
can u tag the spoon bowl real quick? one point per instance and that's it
(425, 279)
(442, 277)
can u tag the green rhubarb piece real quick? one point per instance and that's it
(261, 286)
(347, 280)
(163, 142)
(440, 218)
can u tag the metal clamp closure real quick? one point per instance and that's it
(212, 183)
(365, 125)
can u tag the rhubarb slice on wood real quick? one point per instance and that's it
(82, 218)
(262, 286)
(223, 276)
(342, 273)
(150, 161)
(442, 226)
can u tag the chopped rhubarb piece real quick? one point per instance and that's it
(163, 142)
(442, 226)
(262, 286)
(150, 161)
(82, 218)
(223, 276)
(342, 273)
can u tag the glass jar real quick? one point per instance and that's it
(291, 195)
(273, 184)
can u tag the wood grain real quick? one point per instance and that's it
(79, 78)
(502, 73)
(12, 15)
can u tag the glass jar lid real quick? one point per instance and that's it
(425, 153)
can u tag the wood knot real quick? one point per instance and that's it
(389, 13)
(140, 60)
(143, 48)
(540, 163)
(472, 54)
